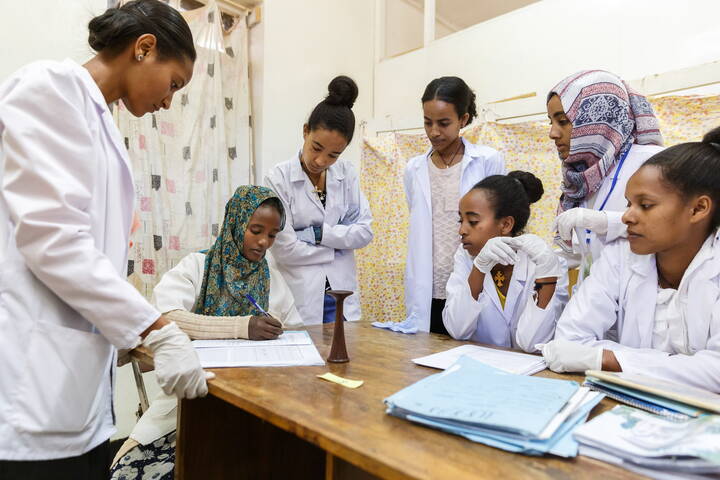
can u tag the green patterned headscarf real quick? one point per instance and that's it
(228, 275)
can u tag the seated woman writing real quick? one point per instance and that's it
(506, 288)
(660, 287)
(205, 294)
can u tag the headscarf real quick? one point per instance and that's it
(607, 118)
(228, 275)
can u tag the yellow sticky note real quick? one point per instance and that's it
(342, 381)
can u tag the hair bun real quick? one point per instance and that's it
(103, 28)
(713, 136)
(531, 184)
(342, 90)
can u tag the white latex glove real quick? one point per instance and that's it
(177, 365)
(496, 250)
(545, 260)
(565, 356)
(593, 220)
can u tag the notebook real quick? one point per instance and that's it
(650, 389)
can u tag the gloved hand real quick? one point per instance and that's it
(261, 327)
(307, 235)
(496, 250)
(593, 220)
(566, 356)
(177, 366)
(546, 262)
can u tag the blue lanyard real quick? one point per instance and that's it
(615, 179)
(612, 187)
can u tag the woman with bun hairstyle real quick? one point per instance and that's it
(507, 288)
(328, 217)
(434, 183)
(660, 286)
(66, 209)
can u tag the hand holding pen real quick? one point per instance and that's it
(262, 327)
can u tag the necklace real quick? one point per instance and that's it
(452, 157)
(316, 188)
(499, 279)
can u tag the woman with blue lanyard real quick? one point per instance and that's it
(603, 131)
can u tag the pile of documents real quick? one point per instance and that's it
(654, 445)
(292, 348)
(512, 362)
(672, 431)
(517, 413)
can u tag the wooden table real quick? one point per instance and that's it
(286, 423)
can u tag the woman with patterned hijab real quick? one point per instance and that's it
(205, 294)
(604, 131)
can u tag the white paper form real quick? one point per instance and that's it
(277, 356)
(511, 362)
(291, 337)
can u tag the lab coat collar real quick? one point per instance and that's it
(90, 84)
(335, 171)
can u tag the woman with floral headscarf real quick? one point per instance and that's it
(604, 131)
(205, 294)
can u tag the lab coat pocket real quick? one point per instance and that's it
(59, 390)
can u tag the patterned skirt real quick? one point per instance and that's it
(154, 461)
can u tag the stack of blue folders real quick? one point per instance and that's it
(529, 415)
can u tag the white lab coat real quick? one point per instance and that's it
(345, 222)
(616, 203)
(477, 163)
(621, 291)
(521, 324)
(65, 306)
(178, 289)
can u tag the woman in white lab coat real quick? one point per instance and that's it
(603, 131)
(660, 287)
(66, 209)
(213, 286)
(328, 217)
(434, 183)
(506, 288)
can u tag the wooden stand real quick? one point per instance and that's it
(338, 351)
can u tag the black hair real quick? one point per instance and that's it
(693, 168)
(335, 112)
(115, 29)
(276, 203)
(511, 195)
(453, 90)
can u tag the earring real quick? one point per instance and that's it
(139, 58)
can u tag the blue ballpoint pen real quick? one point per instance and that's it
(252, 300)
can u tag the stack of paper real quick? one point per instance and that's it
(512, 362)
(672, 400)
(653, 445)
(484, 404)
(292, 348)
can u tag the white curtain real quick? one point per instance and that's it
(188, 160)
